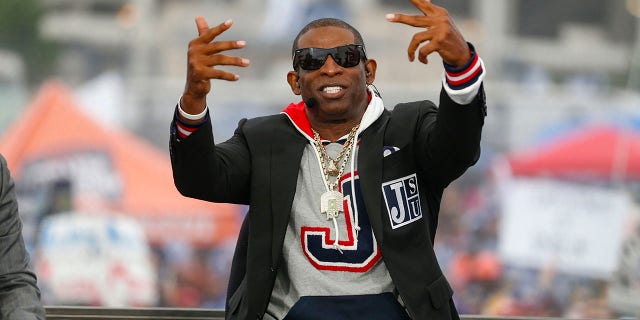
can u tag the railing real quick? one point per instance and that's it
(99, 313)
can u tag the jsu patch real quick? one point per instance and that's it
(403, 200)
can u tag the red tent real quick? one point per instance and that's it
(595, 151)
(111, 170)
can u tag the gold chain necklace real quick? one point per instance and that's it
(331, 201)
(332, 168)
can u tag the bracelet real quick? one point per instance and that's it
(191, 116)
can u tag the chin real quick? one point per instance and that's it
(335, 108)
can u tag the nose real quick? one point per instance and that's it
(330, 66)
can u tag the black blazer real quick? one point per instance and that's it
(19, 291)
(259, 164)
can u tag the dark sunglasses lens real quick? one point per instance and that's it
(346, 56)
(314, 58)
(308, 59)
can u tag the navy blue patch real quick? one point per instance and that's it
(403, 200)
(389, 150)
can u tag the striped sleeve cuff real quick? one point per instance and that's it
(183, 129)
(462, 84)
(467, 75)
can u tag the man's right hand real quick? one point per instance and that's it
(203, 55)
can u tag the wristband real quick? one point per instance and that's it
(189, 116)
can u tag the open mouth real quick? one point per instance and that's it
(332, 89)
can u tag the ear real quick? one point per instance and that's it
(370, 70)
(292, 79)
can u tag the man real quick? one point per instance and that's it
(343, 194)
(19, 293)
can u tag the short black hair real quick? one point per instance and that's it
(327, 22)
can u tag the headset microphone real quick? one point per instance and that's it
(311, 102)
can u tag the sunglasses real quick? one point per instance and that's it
(346, 56)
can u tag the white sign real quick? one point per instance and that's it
(93, 259)
(571, 227)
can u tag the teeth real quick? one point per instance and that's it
(332, 89)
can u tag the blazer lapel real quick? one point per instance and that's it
(286, 153)
(370, 172)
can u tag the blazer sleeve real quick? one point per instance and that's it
(451, 140)
(19, 293)
(208, 171)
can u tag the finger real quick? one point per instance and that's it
(410, 20)
(212, 73)
(211, 33)
(201, 76)
(425, 51)
(202, 25)
(417, 40)
(217, 47)
(224, 60)
(425, 6)
(205, 68)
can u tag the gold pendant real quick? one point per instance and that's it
(333, 169)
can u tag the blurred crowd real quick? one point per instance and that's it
(193, 277)
(466, 244)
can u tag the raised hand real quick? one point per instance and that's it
(203, 57)
(441, 34)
